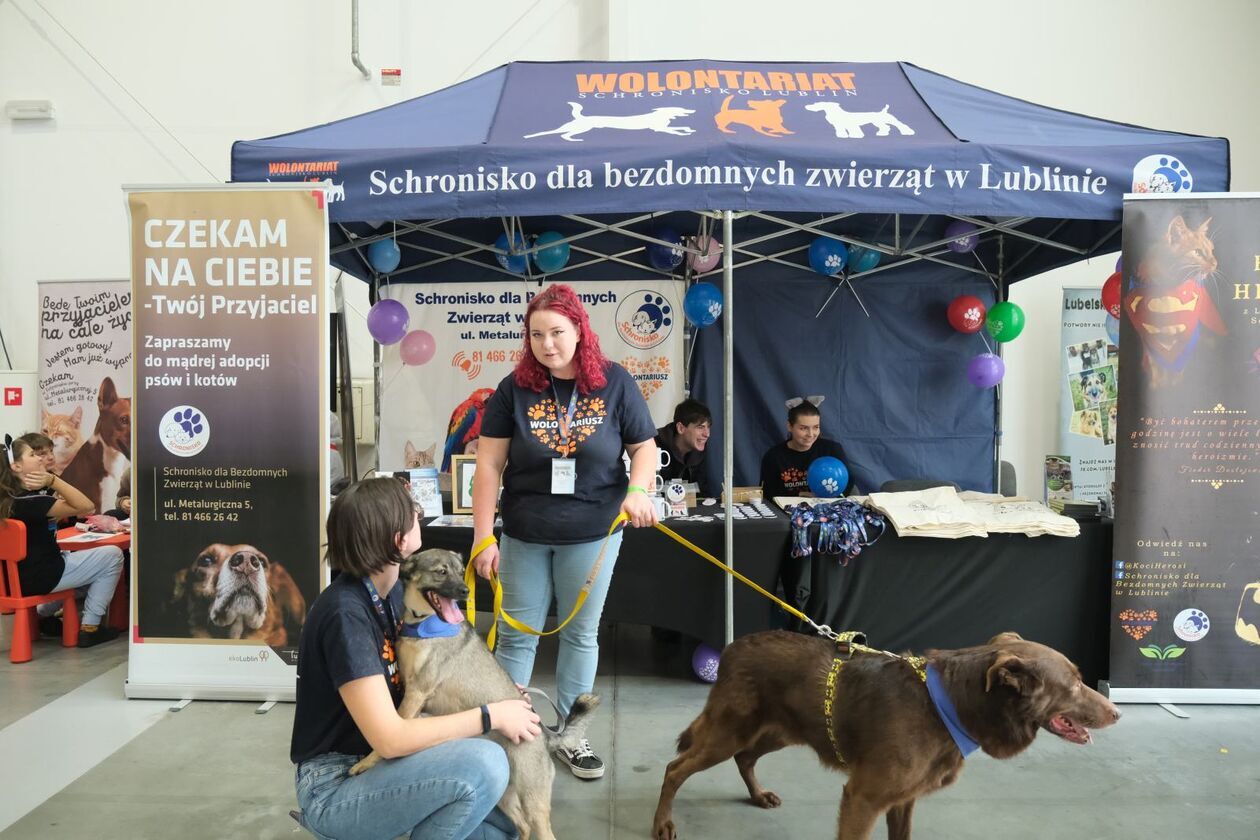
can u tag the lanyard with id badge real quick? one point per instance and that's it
(564, 470)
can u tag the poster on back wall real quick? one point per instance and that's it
(85, 383)
(1185, 624)
(1088, 408)
(230, 415)
(478, 333)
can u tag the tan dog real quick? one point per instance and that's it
(776, 689)
(449, 674)
(236, 592)
(97, 468)
(762, 116)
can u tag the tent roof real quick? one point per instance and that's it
(787, 136)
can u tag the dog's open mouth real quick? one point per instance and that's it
(1069, 730)
(446, 608)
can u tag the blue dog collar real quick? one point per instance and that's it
(432, 627)
(946, 712)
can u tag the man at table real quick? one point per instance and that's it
(685, 441)
(785, 466)
(37, 498)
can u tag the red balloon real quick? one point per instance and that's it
(1111, 295)
(967, 313)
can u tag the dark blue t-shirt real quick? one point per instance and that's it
(605, 422)
(342, 641)
(784, 470)
(44, 565)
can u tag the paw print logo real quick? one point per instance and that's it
(595, 406)
(541, 410)
(830, 485)
(645, 318)
(654, 313)
(715, 310)
(834, 261)
(972, 315)
(184, 430)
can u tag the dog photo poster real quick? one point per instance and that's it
(231, 438)
(85, 383)
(1088, 406)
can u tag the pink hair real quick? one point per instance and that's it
(588, 360)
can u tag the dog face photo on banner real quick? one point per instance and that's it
(1091, 388)
(1087, 355)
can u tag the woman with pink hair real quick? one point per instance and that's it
(559, 423)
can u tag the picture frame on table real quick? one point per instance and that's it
(463, 467)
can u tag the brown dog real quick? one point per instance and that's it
(772, 692)
(762, 116)
(96, 470)
(236, 592)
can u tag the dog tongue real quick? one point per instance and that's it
(450, 611)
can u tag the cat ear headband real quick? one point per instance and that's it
(815, 400)
(8, 449)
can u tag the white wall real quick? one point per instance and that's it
(155, 92)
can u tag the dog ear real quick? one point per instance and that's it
(1008, 636)
(1009, 670)
(181, 582)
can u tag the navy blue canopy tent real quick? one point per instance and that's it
(884, 155)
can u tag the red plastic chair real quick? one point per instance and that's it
(26, 619)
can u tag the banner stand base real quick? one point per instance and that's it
(1182, 696)
(174, 691)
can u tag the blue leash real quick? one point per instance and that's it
(844, 529)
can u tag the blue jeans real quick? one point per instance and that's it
(94, 572)
(531, 574)
(447, 792)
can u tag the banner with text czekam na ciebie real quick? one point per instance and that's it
(1185, 623)
(231, 408)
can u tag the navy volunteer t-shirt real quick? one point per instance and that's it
(342, 641)
(44, 563)
(605, 422)
(784, 470)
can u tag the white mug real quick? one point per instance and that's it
(662, 458)
(662, 507)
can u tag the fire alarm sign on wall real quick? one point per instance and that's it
(391, 76)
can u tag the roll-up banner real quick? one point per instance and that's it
(478, 334)
(230, 413)
(1087, 401)
(1185, 625)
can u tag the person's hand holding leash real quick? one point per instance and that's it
(515, 720)
(487, 561)
(640, 510)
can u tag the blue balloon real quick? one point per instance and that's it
(703, 304)
(863, 259)
(1113, 329)
(551, 258)
(704, 661)
(827, 477)
(384, 255)
(664, 258)
(515, 263)
(827, 256)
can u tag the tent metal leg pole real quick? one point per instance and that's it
(728, 410)
(345, 406)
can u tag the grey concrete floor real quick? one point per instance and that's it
(217, 770)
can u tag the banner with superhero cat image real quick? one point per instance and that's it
(431, 412)
(85, 383)
(1185, 623)
(231, 438)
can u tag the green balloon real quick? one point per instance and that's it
(1005, 321)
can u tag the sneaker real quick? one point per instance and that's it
(50, 625)
(98, 636)
(582, 761)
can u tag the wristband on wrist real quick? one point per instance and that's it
(634, 488)
(485, 720)
(482, 546)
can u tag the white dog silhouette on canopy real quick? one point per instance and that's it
(848, 124)
(658, 119)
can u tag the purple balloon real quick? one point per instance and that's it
(387, 321)
(986, 370)
(1120, 266)
(705, 662)
(965, 245)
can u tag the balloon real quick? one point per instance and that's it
(417, 347)
(515, 263)
(827, 256)
(705, 662)
(384, 255)
(986, 370)
(1111, 295)
(709, 261)
(387, 321)
(1120, 265)
(827, 477)
(863, 259)
(966, 244)
(1005, 321)
(702, 304)
(551, 258)
(1113, 329)
(662, 257)
(966, 314)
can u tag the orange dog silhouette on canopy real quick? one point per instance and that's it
(762, 116)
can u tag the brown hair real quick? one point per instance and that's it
(36, 440)
(364, 524)
(10, 484)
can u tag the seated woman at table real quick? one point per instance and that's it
(122, 502)
(785, 466)
(37, 498)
